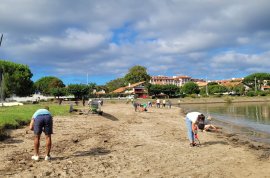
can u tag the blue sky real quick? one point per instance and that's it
(104, 38)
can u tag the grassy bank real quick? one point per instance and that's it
(223, 99)
(15, 116)
(210, 99)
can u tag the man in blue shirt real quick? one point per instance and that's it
(42, 121)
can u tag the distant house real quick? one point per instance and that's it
(133, 89)
(265, 85)
(99, 93)
(175, 80)
(233, 83)
(264, 88)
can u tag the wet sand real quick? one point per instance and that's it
(125, 143)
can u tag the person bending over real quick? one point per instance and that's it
(42, 121)
(194, 120)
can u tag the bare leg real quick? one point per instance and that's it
(212, 126)
(36, 144)
(48, 145)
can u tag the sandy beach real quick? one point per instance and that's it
(125, 143)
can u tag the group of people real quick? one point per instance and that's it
(164, 103)
(42, 121)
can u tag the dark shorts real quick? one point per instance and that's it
(43, 123)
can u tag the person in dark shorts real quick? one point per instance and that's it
(42, 121)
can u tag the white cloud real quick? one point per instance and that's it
(238, 62)
(195, 38)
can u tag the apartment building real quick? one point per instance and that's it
(165, 80)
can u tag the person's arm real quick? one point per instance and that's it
(31, 126)
(194, 126)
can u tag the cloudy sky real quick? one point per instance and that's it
(210, 39)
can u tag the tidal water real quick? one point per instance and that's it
(251, 119)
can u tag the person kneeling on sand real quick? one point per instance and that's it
(209, 126)
(143, 107)
(42, 121)
(194, 120)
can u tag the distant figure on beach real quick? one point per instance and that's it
(194, 120)
(164, 103)
(70, 108)
(60, 101)
(143, 107)
(135, 105)
(169, 104)
(158, 103)
(42, 121)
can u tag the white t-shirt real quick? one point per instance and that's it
(193, 116)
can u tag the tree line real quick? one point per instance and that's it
(16, 79)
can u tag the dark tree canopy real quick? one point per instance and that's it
(170, 90)
(45, 84)
(114, 84)
(17, 79)
(154, 89)
(57, 92)
(78, 90)
(137, 74)
(190, 88)
(212, 83)
(259, 77)
(217, 89)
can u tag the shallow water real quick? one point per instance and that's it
(250, 119)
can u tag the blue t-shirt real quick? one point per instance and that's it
(40, 112)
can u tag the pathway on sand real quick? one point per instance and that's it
(124, 143)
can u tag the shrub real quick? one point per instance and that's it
(251, 93)
(262, 93)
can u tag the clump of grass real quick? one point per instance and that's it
(113, 102)
(3, 134)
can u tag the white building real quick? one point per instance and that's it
(175, 80)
